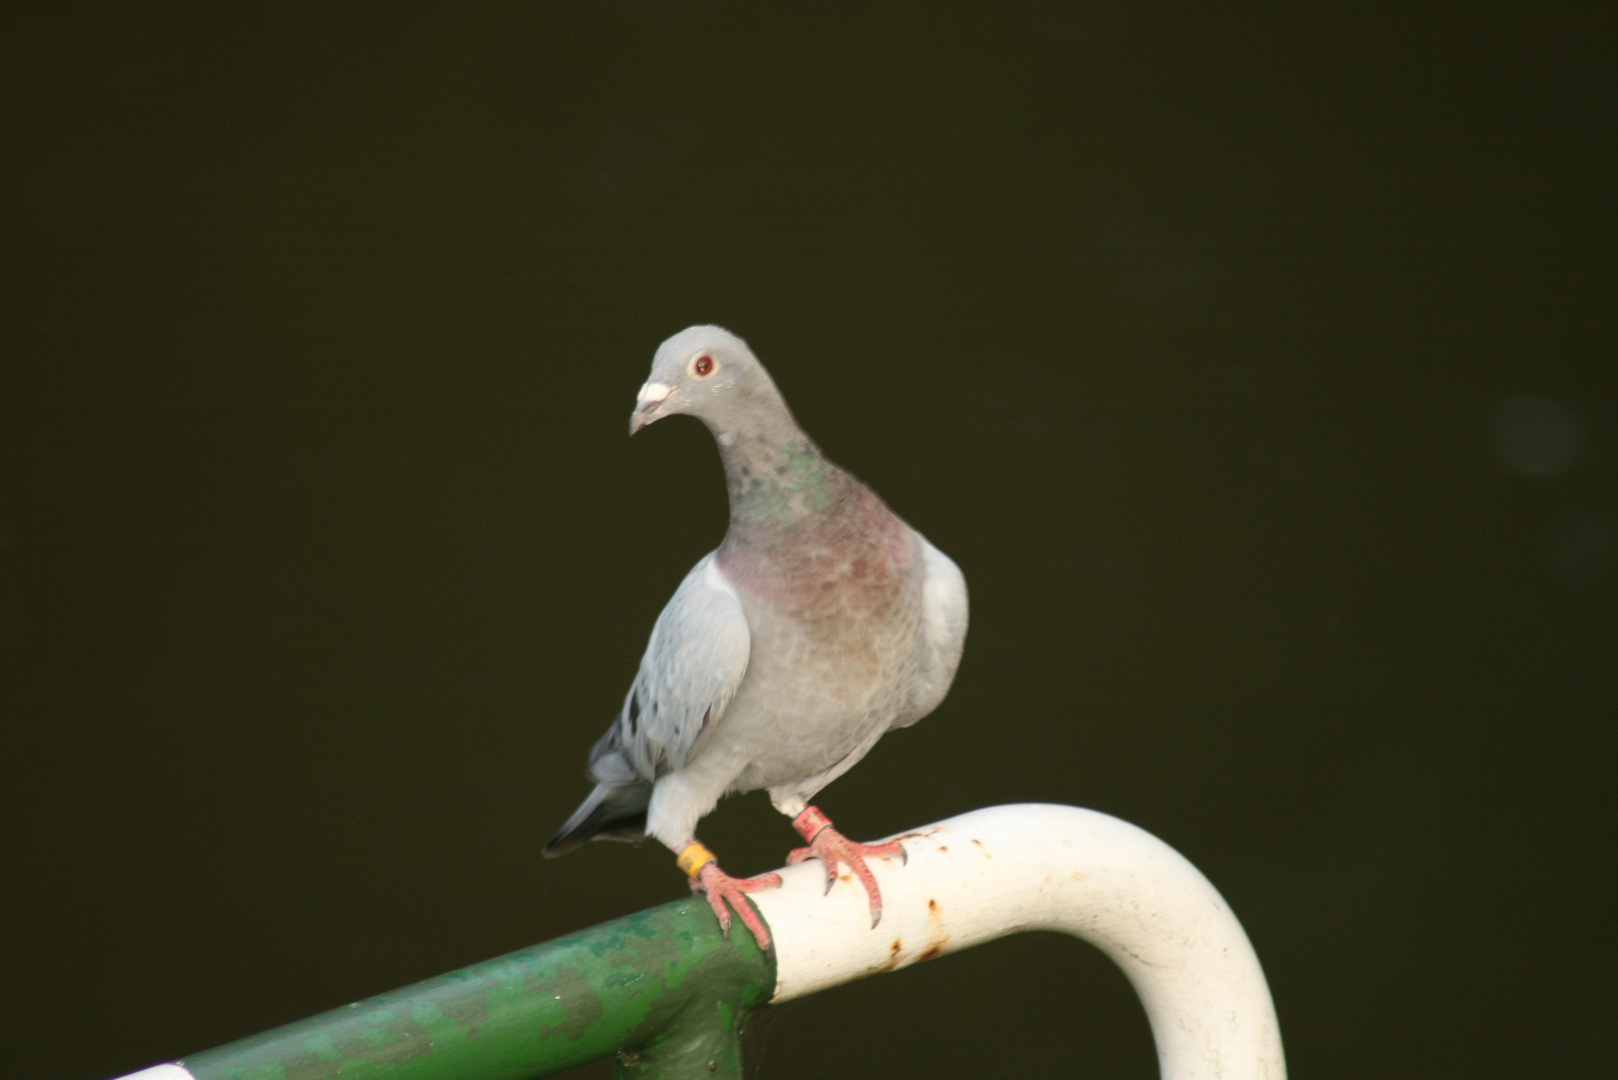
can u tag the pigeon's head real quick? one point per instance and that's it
(707, 372)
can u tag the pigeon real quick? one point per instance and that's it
(820, 623)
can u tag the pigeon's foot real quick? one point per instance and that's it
(832, 847)
(720, 889)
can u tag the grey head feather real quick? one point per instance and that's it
(709, 373)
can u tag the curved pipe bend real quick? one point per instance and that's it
(1004, 869)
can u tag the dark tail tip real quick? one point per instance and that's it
(608, 814)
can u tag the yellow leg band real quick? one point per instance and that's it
(694, 858)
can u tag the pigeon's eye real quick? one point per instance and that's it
(703, 366)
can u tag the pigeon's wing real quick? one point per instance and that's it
(692, 667)
(943, 623)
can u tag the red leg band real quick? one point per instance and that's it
(810, 822)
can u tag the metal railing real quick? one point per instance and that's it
(666, 994)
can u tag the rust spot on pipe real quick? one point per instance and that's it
(935, 948)
(893, 956)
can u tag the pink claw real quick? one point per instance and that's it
(719, 887)
(832, 847)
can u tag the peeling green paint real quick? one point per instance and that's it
(661, 989)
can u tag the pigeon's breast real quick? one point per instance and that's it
(835, 623)
(831, 572)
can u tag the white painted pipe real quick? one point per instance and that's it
(1004, 869)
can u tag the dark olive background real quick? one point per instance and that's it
(1255, 363)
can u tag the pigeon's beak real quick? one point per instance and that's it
(649, 405)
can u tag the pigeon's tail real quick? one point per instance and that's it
(612, 812)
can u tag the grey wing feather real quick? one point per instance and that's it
(693, 664)
(943, 620)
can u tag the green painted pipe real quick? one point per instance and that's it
(661, 989)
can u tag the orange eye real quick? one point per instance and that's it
(702, 366)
